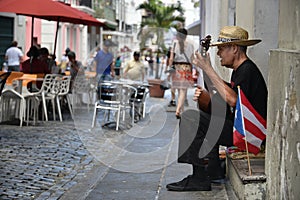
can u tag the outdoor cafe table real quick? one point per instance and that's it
(21, 88)
(24, 80)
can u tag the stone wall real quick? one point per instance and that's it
(283, 140)
(283, 144)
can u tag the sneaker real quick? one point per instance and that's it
(218, 180)
(190, 184)
(172, 103)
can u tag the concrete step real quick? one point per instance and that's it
(244, 185)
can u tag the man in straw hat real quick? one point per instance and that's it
(213, 128)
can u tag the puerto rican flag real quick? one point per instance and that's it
(249, 125)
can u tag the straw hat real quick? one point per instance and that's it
(234, 35)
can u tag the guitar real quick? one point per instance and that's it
(204, 98)
(205, 42)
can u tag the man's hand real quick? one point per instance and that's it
(197, 93)
(202, 62)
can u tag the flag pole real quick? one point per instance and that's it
(248, 158)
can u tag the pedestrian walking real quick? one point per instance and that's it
(181, 58)
(14, 57)
(104, 62)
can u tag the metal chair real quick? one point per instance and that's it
(109, 100)
(128, 99)
(116, 97)
(140, 102)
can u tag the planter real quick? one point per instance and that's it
(154, 89)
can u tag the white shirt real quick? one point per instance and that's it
(14, 54)
(188, 49)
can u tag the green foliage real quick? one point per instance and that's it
(160, 17)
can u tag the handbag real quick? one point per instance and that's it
(165, 84)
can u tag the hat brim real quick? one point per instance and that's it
(237, 42)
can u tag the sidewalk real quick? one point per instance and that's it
(56, 161)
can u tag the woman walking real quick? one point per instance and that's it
(183, 79)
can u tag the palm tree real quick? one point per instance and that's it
(159, 19)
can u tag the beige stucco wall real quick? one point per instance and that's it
(259, 18)
(283, 140)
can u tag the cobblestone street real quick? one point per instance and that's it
(40, 161)
(60, 160)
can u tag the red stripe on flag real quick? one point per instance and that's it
(246, 103)
(253, 149)
(238, 141)
(254, 130)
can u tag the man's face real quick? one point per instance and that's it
(136, 57)
(105, 48)
(226, 54)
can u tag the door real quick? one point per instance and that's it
(6, 36)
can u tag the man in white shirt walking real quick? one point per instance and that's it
(14, 56)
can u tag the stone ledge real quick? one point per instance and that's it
(244, 185)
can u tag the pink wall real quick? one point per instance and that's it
(36, 32)
(63, 39)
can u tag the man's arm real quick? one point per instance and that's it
(112, 69)
(227, 93)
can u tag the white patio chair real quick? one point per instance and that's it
(81, 88)
(12, 102)
(64, 88)
(48, 91)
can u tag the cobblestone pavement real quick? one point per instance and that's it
(40, 162)
(43, 161)
(51, 161)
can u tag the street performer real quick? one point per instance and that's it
(211, 129)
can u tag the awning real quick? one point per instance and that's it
(109, 24)
(194, 28)
(48, 10)
(117, 33)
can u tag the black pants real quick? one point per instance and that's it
(201, 134)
